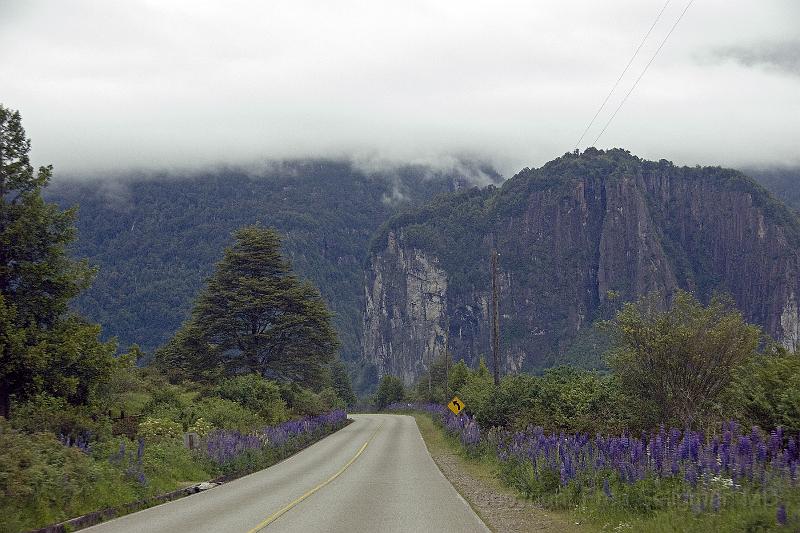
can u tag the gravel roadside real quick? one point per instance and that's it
(499, 507)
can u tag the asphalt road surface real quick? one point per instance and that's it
(375, 475)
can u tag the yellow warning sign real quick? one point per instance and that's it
(456, 405)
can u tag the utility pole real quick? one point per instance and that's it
(428, 365)
(446, 366)
(495, 320)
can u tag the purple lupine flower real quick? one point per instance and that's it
(791, 446)
(606, 488)
(666, 453)
(780, 514)
(775, 441)
(691, 476)
(223, 446)
(761, 452)
(694, 447)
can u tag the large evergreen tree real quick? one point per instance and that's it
(255, 315)
(43, 347)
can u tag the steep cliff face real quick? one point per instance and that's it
(410, 306)
(576, 238)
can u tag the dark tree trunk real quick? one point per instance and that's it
(5, 400)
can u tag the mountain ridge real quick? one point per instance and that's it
(576, 237)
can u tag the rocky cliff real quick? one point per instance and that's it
(576, 238)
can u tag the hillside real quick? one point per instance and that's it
(576, 237)
(154, 239)
(783, 182)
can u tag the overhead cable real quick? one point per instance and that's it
(643, 72)
(625, 70)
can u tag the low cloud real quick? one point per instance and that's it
(105, 87)
(778, 56)
(395, 197)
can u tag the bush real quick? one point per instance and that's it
(44, 481)
(201, 427)
(257, 394)
(390, 390)
(766, 391)
(341, 383)
(154, 430)
(480, 398)
(458, 376)
(227, 414)
(676, 363)
(302, 401)
(72, 423)
(574, 400)
(330, 400)
(166, 402)
(167, 463)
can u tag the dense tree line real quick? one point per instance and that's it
(678, 364)
(156, 238)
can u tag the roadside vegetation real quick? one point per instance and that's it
(251, 378)
(695, 427)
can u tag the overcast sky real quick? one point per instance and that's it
(107, 85)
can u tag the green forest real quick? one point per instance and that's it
(251, 377)
(155, 238)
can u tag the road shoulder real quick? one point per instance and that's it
(497, 505)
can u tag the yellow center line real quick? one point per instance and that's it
(277, 514)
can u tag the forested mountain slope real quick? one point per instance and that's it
(783, 182)
(576, 238)
(154, 239)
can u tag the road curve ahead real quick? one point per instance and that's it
(375, 475)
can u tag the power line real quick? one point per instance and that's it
(685, 9)
(614, 88)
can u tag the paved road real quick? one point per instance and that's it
(375, 475)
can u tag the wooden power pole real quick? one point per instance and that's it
(495, 320)
(446, 367)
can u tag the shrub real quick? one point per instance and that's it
(154, 430)
(479, 396)
(569, 399)
(166, 402)
(303, 402)
(44, 481)
(227, 414)
(167, 463)
(72, 423)
(676, 363)
(766, 391)
(390, 390)
(201, 427)
(257, 394)
(331, 400)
